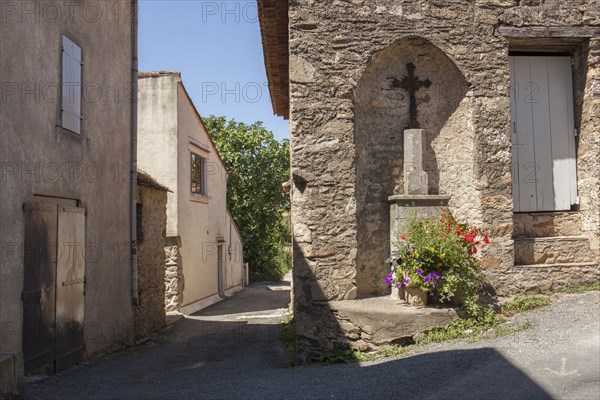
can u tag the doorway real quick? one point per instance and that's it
(53, 287)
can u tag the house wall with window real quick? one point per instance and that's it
(175, 148)
(76, 164)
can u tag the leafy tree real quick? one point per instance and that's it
(257, 165)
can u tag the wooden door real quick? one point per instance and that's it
(543, 134)
(53, 287)
(39, 287)
(70, 280)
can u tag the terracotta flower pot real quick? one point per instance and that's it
(415, 296)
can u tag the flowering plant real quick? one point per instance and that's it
(439, 256)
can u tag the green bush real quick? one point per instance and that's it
(257, 165)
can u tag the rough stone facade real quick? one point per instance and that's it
(173, 275)
(346, 135)
(149, 314)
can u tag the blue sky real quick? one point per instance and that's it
(217, 48)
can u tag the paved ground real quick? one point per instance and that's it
(231, 351)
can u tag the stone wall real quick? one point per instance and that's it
(149, 314)
(173, 275)
(346, 126)
(381, 116)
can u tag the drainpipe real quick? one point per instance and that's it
(133, 150)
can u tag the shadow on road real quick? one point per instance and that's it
(222, 353)
(261, 296)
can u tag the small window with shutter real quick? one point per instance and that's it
(71, 85)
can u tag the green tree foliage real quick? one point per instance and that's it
(257, 165)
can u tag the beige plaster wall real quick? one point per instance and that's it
(201, 223)
(40, 158)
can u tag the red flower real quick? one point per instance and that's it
(486, 240)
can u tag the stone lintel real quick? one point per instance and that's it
(420, 200)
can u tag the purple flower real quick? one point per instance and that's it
(398, 285)
(427, 279)
(435, 284)
(420, 271)
(437, 276)
(389, 279)
(432, 275)
(405, 282)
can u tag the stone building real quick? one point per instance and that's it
(149, 314)
(66, 126)
(509, 103)
(204, 255)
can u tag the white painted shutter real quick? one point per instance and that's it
(71, 85)
(544, 174)
(562, 114)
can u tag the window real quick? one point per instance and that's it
(198, 175)
(139, 222)
(71, 85)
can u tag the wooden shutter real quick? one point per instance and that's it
(71, 85)
(544, 164)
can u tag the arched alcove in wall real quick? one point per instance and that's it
(381, 115)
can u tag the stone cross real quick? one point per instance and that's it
(411, 83)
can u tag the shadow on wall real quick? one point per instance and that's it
(381, 115)
(317, 327)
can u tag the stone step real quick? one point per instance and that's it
(560, 265)
(556, 250)
(367, 324)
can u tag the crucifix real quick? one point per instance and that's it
(411, 83)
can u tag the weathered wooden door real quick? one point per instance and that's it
(53, 288)
(39, 287)
(70, 280)
(543, 133)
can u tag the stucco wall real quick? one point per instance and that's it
(39, 158)
(149, 315)
(234, 272)
(171, 130)
(157, 136)
(200, 223)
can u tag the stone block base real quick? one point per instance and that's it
(11, 375)
(552, 250)
(403, 207)
(368, 324)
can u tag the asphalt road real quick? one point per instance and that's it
(231, 351)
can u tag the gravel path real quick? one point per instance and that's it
(225, 354)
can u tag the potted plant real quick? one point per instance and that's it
(437, 258)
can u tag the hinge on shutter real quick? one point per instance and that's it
(575, 133)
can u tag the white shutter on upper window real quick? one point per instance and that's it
(71, 85)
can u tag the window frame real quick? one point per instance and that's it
(78, 129)
(202, 196)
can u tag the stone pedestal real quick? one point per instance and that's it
(416, 180)
(402, 207)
